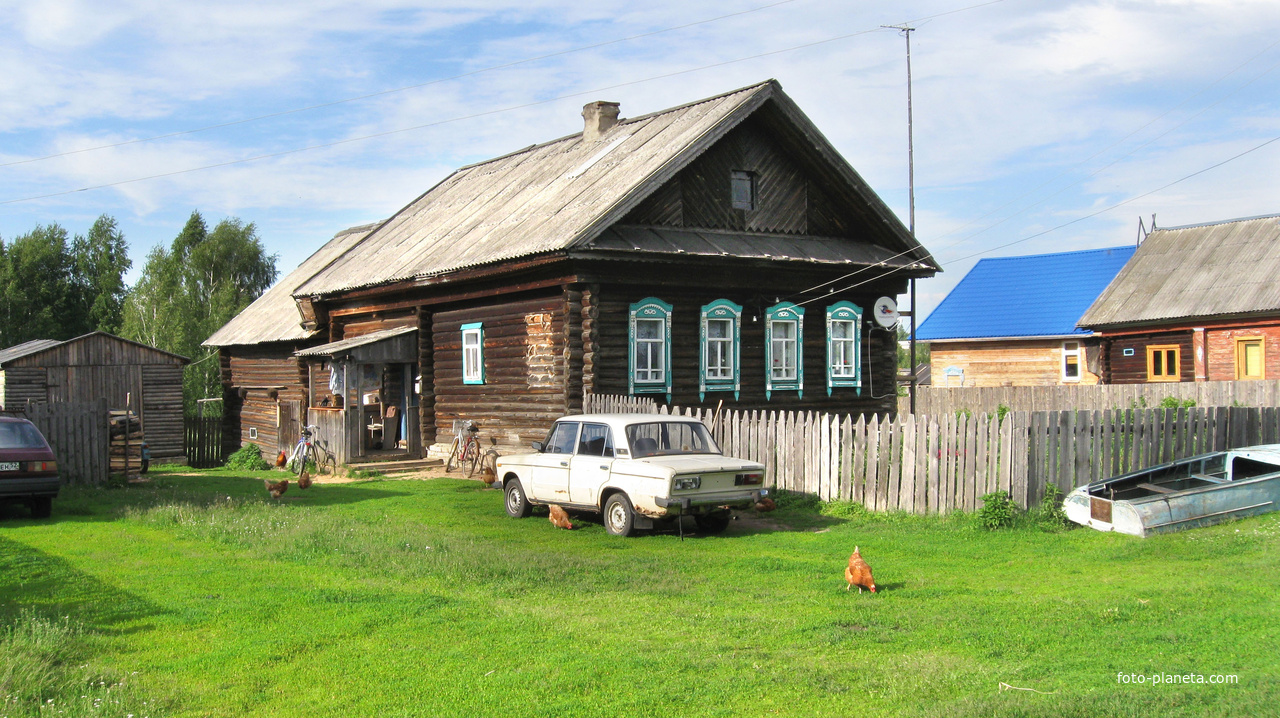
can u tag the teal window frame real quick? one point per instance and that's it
(844, 312)
(649, 309)
(477, 377)
(779, 314)
(721, 310)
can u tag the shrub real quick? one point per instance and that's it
(1049, 514)
(1001, 411)
(998, 510)
(1171, 402)
(248, 458)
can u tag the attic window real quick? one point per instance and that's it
(742, 187)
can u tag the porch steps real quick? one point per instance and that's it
(392, 468)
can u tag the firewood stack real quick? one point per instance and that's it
(126, 431)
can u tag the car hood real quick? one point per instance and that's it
(684, 464)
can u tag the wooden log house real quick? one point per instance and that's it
(1195, 303)
(95, 366)
(716, 252)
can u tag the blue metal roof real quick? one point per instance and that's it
(1036, 295)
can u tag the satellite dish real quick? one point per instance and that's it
(886, 312)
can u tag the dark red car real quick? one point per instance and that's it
(28, 471)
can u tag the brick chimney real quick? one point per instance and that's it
(599, 116)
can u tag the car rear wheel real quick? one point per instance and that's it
(619, 516)
(517, 504)
(712, 523)
(41, 507)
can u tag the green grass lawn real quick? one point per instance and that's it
(200, 596)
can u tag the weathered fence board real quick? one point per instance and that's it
(79, 435)
(938, 400)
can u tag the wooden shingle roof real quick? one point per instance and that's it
(563, 194)
(1221, 269)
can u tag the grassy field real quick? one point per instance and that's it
(199, 596)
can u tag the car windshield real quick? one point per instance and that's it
(664, 438)
(20, 435)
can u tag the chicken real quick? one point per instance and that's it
(858, 573)
(281, 459)
(559, 518)
(304, 480)
(766, 504)
(277, 488)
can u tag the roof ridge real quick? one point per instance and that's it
(1058, 254)
(1221, 221)
(622, 121)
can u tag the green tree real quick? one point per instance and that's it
(38, 296)
(100, 261)
(189, 290)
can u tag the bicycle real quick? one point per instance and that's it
(466, 449)
(313, 451)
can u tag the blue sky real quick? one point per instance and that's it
(1028, 115)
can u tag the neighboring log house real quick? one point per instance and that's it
(1195, 303)
(720, 251)
(1012, 321)
(100, 366)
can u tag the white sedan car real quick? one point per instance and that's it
(634, 469)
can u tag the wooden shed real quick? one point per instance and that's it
(719, 252)
(99, 365)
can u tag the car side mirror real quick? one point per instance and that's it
(537, 446)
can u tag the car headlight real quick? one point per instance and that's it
(686, 483)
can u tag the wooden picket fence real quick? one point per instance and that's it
(78, 434)
(937, 400)
(922, 464)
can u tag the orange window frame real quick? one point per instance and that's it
(1165, 351)
(1242, 346)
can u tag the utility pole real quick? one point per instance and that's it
(905, 31)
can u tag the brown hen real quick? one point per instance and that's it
(559, 518)
(276, 489)
(858, 573)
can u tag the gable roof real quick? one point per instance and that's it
(1197, 271)
(563, 194)
(1038, 295)
(59, 349)
(273, 316)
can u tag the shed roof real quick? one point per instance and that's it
(1198, 271)
(20, 350)
(273, 316)
(1038, 295)
(563, 194)
(94, 348)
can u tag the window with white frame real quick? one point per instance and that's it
(721, 323)
(649, 358)
(844, 343)
(1072, 358)
(473, 353)
(784, 338)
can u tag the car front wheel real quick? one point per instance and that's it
(619, 517)
(517, 505)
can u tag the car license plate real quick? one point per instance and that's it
(8, 466)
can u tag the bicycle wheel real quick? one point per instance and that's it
(453, 457)
(303, 456)
(473, 458)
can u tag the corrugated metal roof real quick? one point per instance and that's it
(1039, 295)
(332, 348)
(273, 317)
(1222, 269)
(26, 349)
(668, 240)
(560, 195)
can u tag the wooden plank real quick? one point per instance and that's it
(898, 443)
(920, 490)
(846, 459)
(858, 479)
(980, 457)
(933, 450)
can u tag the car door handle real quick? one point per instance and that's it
(564, 463)
(604, 467)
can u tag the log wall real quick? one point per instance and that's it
(1026, 362)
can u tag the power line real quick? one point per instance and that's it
(1028, 238)
(437, 123)
(406, 88)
